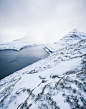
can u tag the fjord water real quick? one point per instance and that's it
(11, 60)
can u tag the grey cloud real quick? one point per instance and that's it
(48, 16)
(24, 12)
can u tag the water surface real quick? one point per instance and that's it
(11, 61)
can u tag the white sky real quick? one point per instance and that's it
(43, 20)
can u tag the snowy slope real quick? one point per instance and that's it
(71, 38)
(56, 82)
(19, 44)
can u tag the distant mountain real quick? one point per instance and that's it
(74, 35)
(71, 38)
(20, 43)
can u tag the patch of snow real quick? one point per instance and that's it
(20, 99)
(62, 68)
(61, 101)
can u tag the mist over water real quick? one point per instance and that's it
(11, 61)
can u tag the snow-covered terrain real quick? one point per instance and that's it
(56, 82)
(71, 38)
(19, 44)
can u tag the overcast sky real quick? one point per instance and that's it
(43, 20)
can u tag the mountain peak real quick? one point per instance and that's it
(72, 35)
(74, 31)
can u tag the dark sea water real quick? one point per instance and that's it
(11, 61)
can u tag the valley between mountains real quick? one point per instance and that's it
(56, 82)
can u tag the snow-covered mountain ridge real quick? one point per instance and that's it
(75, 34)
(56, 82)
(19, 44)
(71, 38)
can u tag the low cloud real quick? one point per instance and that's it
(44, 20)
